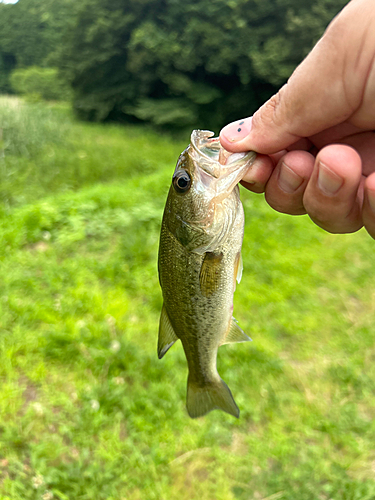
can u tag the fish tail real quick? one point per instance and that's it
(214, 395)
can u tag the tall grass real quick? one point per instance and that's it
(59, 154)
(27, 129)
(87, 411)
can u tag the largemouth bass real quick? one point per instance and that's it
(199, 263)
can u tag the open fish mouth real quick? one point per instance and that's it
(213, 158)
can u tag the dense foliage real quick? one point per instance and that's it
(31, 34)
(187, 63)
(195, 63)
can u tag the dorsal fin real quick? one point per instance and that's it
(167, 336)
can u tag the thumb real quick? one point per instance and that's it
(323, 91)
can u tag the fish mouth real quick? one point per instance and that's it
(213, 158)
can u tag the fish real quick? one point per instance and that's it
(199, 263)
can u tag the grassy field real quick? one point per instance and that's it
(88, 412)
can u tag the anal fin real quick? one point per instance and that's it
(235, 334)
(167, 336)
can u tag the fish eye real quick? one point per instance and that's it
(181, 181)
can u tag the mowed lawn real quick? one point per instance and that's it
(88, 412)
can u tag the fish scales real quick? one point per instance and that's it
(201, 321)
(199, 261)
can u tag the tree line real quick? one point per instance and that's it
(169, 62)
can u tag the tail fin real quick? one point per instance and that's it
(214, 395)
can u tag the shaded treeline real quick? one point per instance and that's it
(191, 63)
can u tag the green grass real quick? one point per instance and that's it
(87, 411)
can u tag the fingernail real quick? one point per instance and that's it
(289, 181)
(236, 131)
(371, 199)
(328, 181)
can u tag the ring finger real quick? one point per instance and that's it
(333, 195)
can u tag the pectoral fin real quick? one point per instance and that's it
(167, 337)
(209, 277)
(238, 268)
(235, 334)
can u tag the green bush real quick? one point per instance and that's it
(40, 83)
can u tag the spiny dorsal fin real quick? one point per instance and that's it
(167, 337)
(235, 334)
(214, 395)
(209, 277)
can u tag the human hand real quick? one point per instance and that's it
(316, 135)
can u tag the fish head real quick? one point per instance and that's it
(204, 178)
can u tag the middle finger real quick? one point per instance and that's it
(286, 186)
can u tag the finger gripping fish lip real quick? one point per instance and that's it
(212, 157)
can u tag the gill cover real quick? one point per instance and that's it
(200, 214)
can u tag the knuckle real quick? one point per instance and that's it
(317, 212)
(335, 218)
(254, 187)
(324, 225)
(335, 28)
(323, 217)
(271, 111)
(277, 104)
(339, 28)
(275, 204)
(257, 188)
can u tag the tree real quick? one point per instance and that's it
(171, 62)
(196, 63)
(31, 34)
